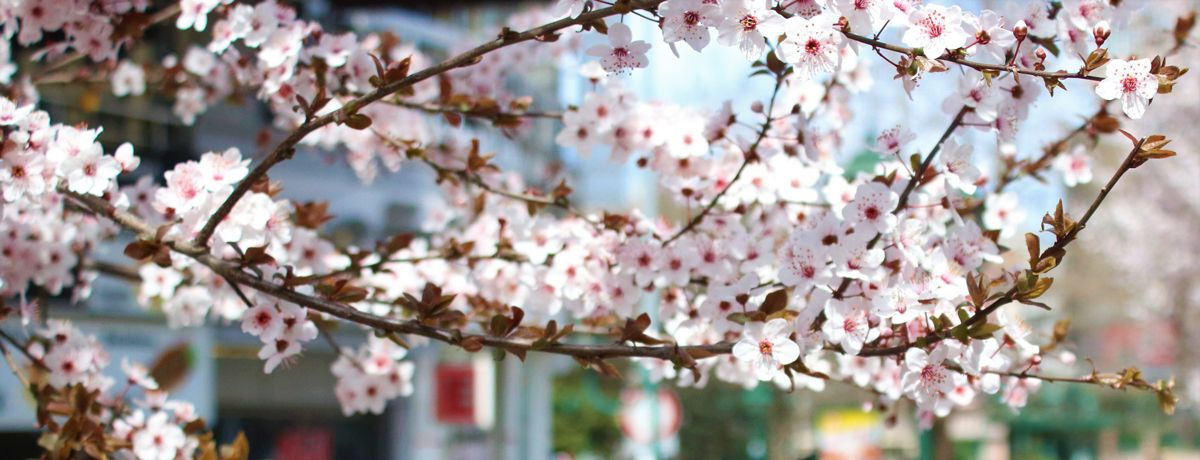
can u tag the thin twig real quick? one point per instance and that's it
(1011, 295)
(750, 153)
(980, 66)
(916, 179)
(494, 115)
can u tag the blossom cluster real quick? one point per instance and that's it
(808, 270)
(39, 240)
(151, 426)
(372, 375)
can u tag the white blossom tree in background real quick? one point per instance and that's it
(786, 269)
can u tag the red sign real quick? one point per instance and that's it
(455, 394)
(305, 443)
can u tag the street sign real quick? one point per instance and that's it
(455, 394)
(642, 415)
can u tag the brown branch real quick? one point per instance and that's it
(980, 66)
(1052, 151)
(286, 148)
(21, 348)
(469, 111)
(349, 313)
(16, 369)
(376, 266)
(124, 272)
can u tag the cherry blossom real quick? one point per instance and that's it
(865, 16)
(1131, 82)
(747, 24)
(158, 439)
(21, 173)
(935, 29)
(929, 380)
(802, 266)
(812, 45)
(992, 40)
(1002, 211)
(1075, 165)
(688, 20)
(961, 173)
(846, 324)
(892, 140)
(137, 374)
(767, 347)
(872, 206)
(194, 14)
(128, 79)
(622, 53)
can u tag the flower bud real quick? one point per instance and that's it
(1101, 33)
(1020, 30)
(756, 107)
(1041, 54)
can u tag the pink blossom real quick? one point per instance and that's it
(622, 53)
(935, 29)
(688, 20)
(812, 45)
(1075, 165)
(1132, 83)
(767, 347)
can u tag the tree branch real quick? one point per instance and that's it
(468, 111)
(980, 66)
(349, 313)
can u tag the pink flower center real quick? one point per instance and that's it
(644, 260)
(871, 213)
(764, 347)
(934, 24)
(748, 22)
(849, 325)
(932, 374)
(813, 46)
(691, 18)
(1129, 84)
